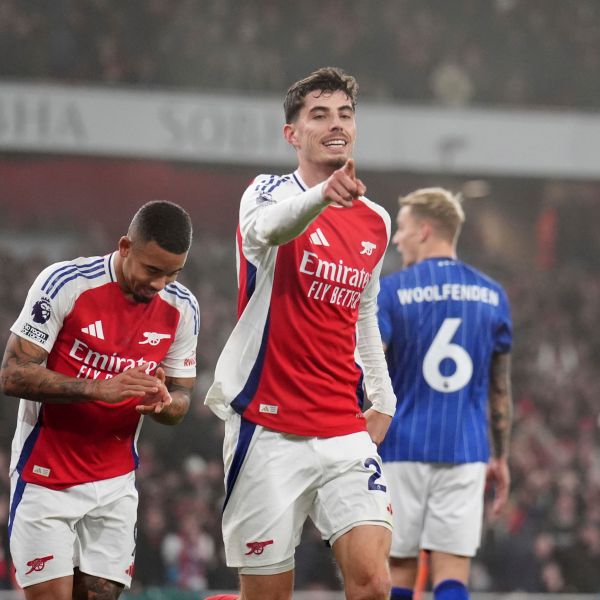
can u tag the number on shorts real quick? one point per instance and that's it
(442, 348)
(371, 462)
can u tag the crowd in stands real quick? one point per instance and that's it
(549, 537)
(543, 53)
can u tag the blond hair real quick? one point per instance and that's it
(438, 205)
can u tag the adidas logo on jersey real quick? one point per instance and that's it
(94, 329)
(318, 239)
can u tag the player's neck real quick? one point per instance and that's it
(438, 250)
(312, 174)
(118, 264)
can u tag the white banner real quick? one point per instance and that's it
(247, 129)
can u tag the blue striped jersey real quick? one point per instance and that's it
(441, 321)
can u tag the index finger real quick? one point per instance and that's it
(499, 501)
(160, 373)
(141, 368)
(349, 168)
(501, 495)
(362, 188)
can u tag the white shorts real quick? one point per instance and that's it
(436, 507)
(275, 480)
(90, 526)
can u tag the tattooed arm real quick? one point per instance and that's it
(172, 401)
(501, 407)
(24, 374)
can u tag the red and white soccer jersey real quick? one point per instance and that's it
(289, 364)
(77, 312)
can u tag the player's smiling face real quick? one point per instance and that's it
(146, 268)
(408, 236)
(324, 131)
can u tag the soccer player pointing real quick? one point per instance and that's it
(100, 342)
(447, 331)
(310, 248)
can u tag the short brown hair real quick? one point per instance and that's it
(438, 205)
(326, 79)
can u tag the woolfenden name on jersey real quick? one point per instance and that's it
(448, 291)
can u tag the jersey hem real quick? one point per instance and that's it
(303, 432)
(60, 487)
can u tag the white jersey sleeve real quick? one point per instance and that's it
(273, 219)
(370, 349)
(42, 315)
(180, 360)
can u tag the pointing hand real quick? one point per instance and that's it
(343, 186)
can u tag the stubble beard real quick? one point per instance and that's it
(337, 162)
(142, 299)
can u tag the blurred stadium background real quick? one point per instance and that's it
(106, 104)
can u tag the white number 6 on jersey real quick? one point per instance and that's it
(442, 348)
